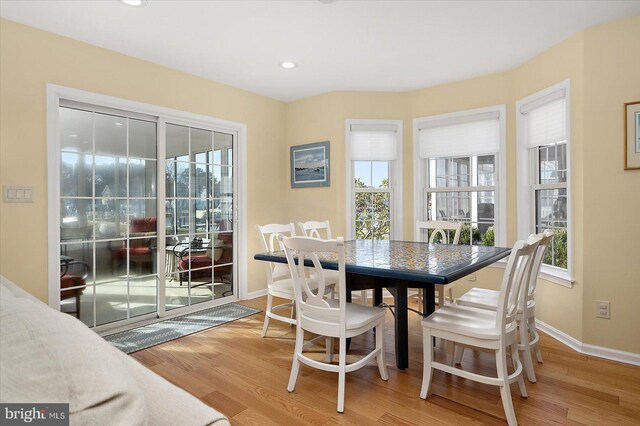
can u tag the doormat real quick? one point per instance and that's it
(173, 328)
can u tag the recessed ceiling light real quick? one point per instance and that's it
(119, 124)
(73, 136)
(288, 65)
(135, 3)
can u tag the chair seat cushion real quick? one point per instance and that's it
(196, 262)
(480, 298)
(358, 315)
(284, 288)
(484, 298)
(464, 320)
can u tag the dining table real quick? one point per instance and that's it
(398, 266)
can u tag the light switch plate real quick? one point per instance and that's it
(17, 194)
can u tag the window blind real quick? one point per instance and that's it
(373, 144)
(546, 123)
(471, 135)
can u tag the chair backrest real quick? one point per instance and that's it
(439, 227)
(312, 304)
(313, 229)
(545, 241)
(269, 239)
(516, 275)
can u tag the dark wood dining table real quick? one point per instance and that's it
(400, 265)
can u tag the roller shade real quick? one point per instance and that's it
(373, 143)
(546, 122)
(470, 135)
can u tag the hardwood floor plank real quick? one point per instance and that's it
(251, 417)
(186, 380)
(224, 402)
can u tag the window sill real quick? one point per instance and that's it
(555, 276)
(547, 273)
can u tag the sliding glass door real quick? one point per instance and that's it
(132, 243)
(199, 212)
(108, 211)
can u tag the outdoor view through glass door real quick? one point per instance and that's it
(199, 211)
(110, 253)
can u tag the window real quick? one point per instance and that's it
(543, 179)
(374, 176)
(458, 163)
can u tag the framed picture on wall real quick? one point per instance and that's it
(310, 165)
(632, 135)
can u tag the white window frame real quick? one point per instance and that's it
(527, 182)
(420, 184)
(55, 94)
(395, 178)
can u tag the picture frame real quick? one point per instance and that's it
(632, 135)
(310, 165)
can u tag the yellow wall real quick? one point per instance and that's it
(30, 58)
(600, 61)
(611, 194)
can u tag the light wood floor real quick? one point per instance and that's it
(244, 376)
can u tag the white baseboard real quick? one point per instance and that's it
(255, 294)
(584, 348)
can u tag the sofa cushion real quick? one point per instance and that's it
(49, 357)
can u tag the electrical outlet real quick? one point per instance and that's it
(603, 309)
(472, 277)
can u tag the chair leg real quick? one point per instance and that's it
(526, 351)
(382, 366)
(328, 342)
(427, 354)
(342, 372)
(267, 311)
(450, 352)
(450, 291)
(78, 294)
(535, 336)
(293, 311)
(440, 297)
(295, 365)
(515, 357)
(505, 391)
(458, 352)
(420, 296)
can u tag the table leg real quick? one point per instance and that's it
(377, 296)
(402, 326)
(428, 300)
(349, 297)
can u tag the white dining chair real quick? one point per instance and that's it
(526, 318)
(443, 229)
(279, 282)
(322, 230)
(333, 318)
(491, 330)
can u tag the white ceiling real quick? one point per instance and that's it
(339, 45)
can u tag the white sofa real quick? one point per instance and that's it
(50, 357)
